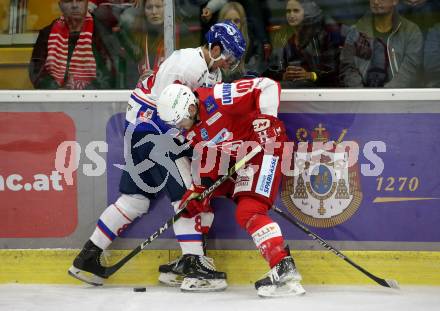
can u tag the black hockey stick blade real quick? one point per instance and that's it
(108, 271)
(386, 283)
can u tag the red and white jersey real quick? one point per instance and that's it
(232, 114)
(185, 66)
(228, 110)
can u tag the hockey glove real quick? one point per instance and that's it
(268, 129)
(195, 206)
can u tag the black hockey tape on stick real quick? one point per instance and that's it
(314, 236)
(108, 271)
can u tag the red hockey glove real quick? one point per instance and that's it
(195, 206)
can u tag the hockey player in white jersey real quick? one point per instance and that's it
(193, 67)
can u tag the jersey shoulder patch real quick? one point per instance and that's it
(210, 104)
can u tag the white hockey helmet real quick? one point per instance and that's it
(173, 103)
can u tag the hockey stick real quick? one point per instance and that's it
(314, 236)
(108, 271)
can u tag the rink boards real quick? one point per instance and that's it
(381, 209)
(242, 266)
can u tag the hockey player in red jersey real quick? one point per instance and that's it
(231, 118)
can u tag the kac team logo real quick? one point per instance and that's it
(325, 190)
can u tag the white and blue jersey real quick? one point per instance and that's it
(186, 66)
(142, 112)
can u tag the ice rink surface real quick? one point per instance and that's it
(14, 297)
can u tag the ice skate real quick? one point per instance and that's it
(171, 274)
(194, 273)
(281, 280)
(201, 275)
(87, 265)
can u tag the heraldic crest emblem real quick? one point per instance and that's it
(325, 189)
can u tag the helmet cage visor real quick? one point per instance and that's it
(230, 59)
(227, 56)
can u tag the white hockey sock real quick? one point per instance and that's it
(189, 231)
(190, 239)
(110, 225)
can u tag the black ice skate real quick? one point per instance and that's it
(281, 280)
(87, 265)
(171, 274)
(194, 273)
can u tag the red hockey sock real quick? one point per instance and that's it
(252, 216)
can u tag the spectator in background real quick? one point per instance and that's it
(306, 49)
(93, 4)
(432, 57)
(4, 19)
(395, 46)
(69, 53)
(209, 14)
(142, 35)
(234, 12)
(109, 15)
(257, 16)
(424, 13)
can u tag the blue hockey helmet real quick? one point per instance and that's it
(230, 37)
